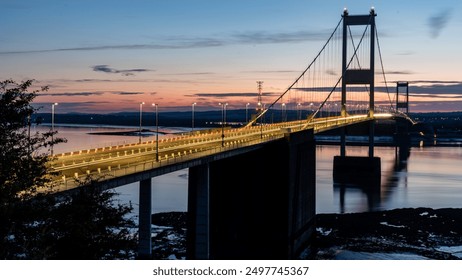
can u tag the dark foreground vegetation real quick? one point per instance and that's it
(37, 224)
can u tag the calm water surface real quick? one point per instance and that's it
(429, 177)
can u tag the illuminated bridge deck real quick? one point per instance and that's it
(109, 163)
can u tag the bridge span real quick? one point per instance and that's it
(117, 165)
(262, 173)
(251, 190)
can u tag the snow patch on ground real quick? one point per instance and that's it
(454, 250)
(390, 225)
(350, 255)
(323, 231)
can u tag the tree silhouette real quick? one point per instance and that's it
(36, 224)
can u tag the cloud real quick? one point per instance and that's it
(331, 72)
(432, 106)
(440, 96)
(91, 80)
(188, 44)
(262, 37)
(127, 93)
(73, 93)
(406, 53)
(66, 107)
(94, 93)
(232, 94)
(437, 89)
(438, 22)
(125, 72)
(399, 72)
(434, 82)
(226, 94)
(177, 42)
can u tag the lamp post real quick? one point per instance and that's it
(283, 106)
(192, 121)
(223, 120)
(247, 112)
(299, 113)
(53, 125)
(141, 118)
(157, 131)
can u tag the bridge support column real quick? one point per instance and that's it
(371, 138)
(262, 203)
(198, 240)
(145, 241)
(357, 170)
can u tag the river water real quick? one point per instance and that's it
(430, 177)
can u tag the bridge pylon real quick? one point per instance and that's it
(402, 97)
(358, 76)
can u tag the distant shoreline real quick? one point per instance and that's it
(144, 132)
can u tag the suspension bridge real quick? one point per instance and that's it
(245, 181)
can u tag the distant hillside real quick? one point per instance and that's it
(439, 123)
(172, 119)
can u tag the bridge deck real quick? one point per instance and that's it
(109, 163)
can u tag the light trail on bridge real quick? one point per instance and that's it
(110, 162)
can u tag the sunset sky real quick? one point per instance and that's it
(109, 55)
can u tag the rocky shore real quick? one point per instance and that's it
(169, 235)
(411, 233)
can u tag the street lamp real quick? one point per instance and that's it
(52, 125)
(192, 122)
(247, 112)
(157, 131)
(141, 113)
(283, 106)
(223, 120)
(299, 111)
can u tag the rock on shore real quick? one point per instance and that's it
(410, 233)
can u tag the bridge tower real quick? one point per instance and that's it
(358, 76)
(402, 138)
(357, 170)
(402, 97)
(260, 101)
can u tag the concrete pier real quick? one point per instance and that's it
(356, 170)
(198, 237)
(145, 241)
(261, 204)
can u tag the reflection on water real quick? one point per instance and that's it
(419, 177)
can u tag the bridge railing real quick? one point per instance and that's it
(255, 135)
(67, 183)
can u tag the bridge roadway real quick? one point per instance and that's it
(116, 161)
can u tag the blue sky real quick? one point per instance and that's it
(103, 56)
